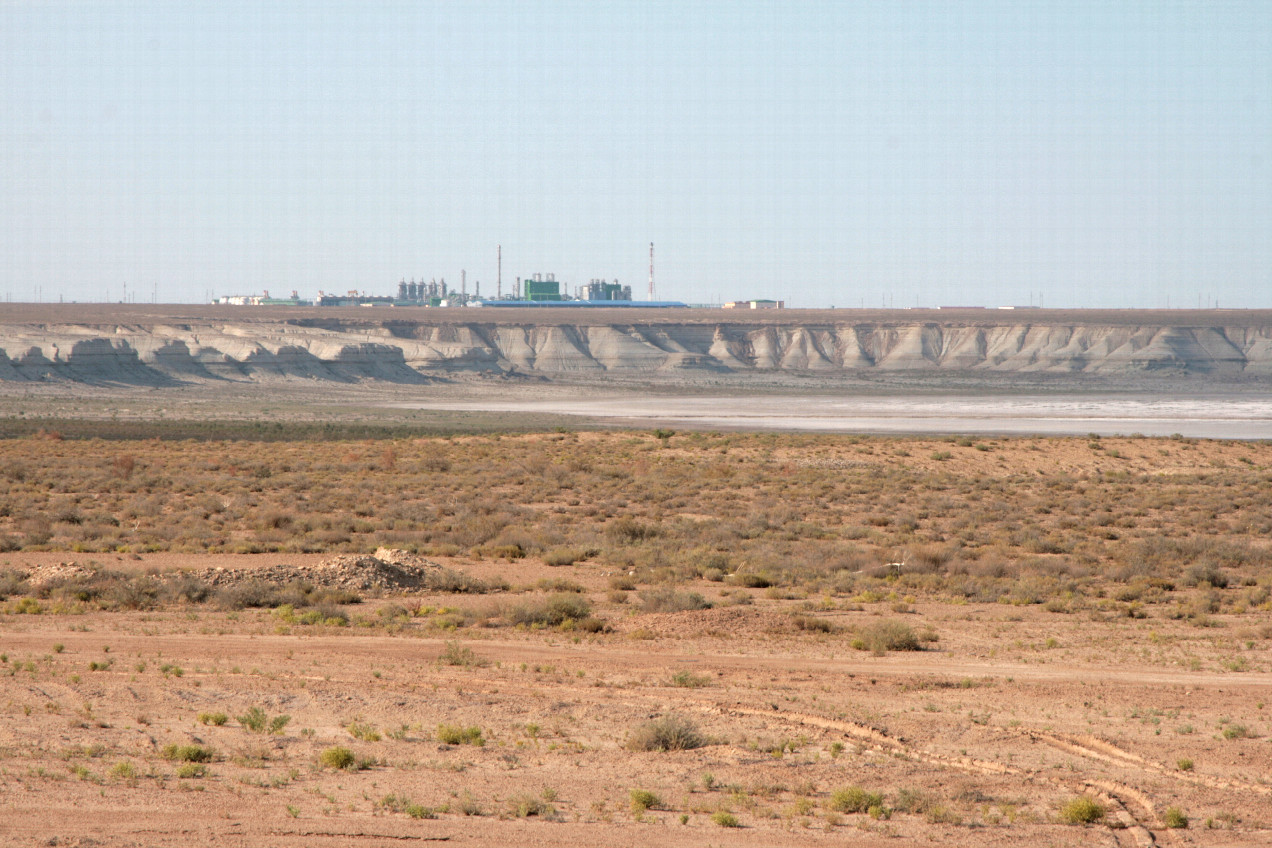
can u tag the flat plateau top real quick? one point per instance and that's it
(100, 313)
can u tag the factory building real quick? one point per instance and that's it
(756, 304)
(352, 298)
(262, 300)
(601, 290)
(542, 287)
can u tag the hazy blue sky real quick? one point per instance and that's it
(1089, 153)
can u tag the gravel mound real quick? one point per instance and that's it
(41, 575)
(386, 571)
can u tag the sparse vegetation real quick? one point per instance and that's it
(187, 753)
(460, 655)
(882, 636)
(124, 770)
(524, 806)
(854, 799)
(669, 733)
(192, 770)
(337, 757)
(724, 818)
(643, 799)
(698, 550)
(257, 720)
(1082, 810)
(690, 680)
(363, 731)
(564, 610)
(454, 734)
(991, 552)
(668, 599)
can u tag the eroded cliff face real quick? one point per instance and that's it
(412, 352)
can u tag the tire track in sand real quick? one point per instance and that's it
(1128, 827)
(1099, 749)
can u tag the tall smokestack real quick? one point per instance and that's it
(651, 270)
(463, 282)
(499, 272)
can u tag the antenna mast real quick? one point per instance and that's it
(651, 270)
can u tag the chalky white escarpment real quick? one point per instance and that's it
(410, 351)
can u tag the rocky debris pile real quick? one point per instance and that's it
(42, 575)
(386, 571)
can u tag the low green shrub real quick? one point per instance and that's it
(689, 680)
(257, 720)
(187, 753)
(363, 731)
(337, 757)
(454, 734)
(562, 609)
(854, 799)
(461, 655)
(725, 819)
(643, 799)
(191, 771)
(1082, 810)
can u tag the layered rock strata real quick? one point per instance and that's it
(412, 352)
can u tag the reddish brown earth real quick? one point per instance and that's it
(1012, 712)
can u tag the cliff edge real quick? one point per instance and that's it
(136, 347)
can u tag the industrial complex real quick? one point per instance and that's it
(539, 289)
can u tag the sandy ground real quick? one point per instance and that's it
(1010, 713)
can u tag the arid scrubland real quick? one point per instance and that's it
(638, 638)
(1018, 520)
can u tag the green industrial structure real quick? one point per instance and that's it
(539, 289)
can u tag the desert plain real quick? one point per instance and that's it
(281, 612)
